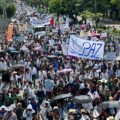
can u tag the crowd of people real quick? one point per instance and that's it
(39, 82)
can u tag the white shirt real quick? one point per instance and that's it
(27, 64)
(1, 65)
(94, 74)
(52, 74)
(93, 95)
(41, 75)
(118, 73)
(13, 78)
(28, 76)
(28, 117)
(104, 34)
(33, 71)
(104, 76)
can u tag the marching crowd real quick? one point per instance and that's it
(31, 79)
(39, 82)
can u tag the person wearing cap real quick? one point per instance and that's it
(28, 113)
(2, 111)
(45, 110)
(110, 118)
(13, 78)
(33, 72)
(72, 114)
(49, 85)
(84, 116)
(72, 104)
(56, 115)
(9, 115)
(19, 111)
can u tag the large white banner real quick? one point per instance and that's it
(35, 21)
(86, 49)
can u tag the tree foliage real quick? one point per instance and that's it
(11, 9)
(107, 8)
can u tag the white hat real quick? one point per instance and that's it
(9, 108)
(83, 111)
(55, 108)
(3, 107)
(19, 104)
(29, 107)
(72, 111)
(110, 118)
(47, 102)
(14, 72)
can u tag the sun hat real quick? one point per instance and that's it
(3, 107)
(55, 108)
(110, 118)
(72, 111)
(29, 107)
(83, 111)
(9, 108)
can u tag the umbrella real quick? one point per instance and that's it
(118, 58)
(30, 43)
(14, 52)
(65, 70)
(52, 56)
(18, 66)
(62, 96)
(109, 104)
(19, 38)
(39, 48)
(25, 49)
(103, 80)
(11, 49)
(73, 33)
(83, 99)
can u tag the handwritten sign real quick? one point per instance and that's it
(86, 49)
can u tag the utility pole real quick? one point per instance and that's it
(95, 7)
(4, 17)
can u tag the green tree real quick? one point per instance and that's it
(115, 9)
(11, 9)
(66, 7)
(1, 10)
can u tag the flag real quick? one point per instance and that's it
(52, 22)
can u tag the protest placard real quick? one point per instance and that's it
(86, 49)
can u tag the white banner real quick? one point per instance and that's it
(64, 49)
(63, 27)
(35, 21)
(111, 56)
(86, 49)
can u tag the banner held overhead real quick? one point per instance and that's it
(86, 49)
